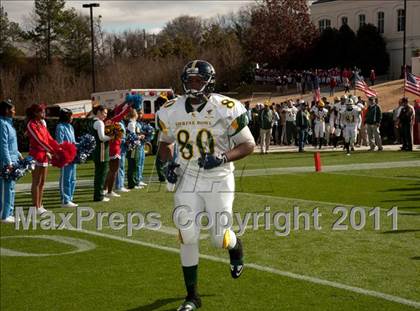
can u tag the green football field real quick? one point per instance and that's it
(316, 269)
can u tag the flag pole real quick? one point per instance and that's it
(405, 78)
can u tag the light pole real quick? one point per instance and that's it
(405, 37)
(91, 6)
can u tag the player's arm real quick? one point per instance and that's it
(166, 152)
(244, 145)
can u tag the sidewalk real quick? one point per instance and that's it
(310, 148)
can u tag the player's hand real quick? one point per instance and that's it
(49, 156)
(170, 173)
(209, 161)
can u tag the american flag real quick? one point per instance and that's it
(361, 85)
(412, 84)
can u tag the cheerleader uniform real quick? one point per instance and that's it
(40, 142)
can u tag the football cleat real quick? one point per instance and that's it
(236, 270)
(236, 260)
(190, 304)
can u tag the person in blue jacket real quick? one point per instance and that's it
(9, 155)
(147, 130)
(65, 132)
(119, 181)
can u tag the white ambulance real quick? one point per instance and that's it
(80, 108)
(113, 98)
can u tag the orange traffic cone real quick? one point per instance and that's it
(318, 165)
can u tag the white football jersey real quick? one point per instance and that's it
(208, 128)
(320, 115)
(350, 117)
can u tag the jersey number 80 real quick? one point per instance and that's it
(204, 143)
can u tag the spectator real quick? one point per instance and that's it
(9, 155)
(333, 84)
(119, 181)
(278, 84)
(397, 130)
(266, 123)
(373, 122)
(406, 122)
(335, 120)
(362, 138)
(417, 122)
(276, 122)
(298, 79)
(101, 153)
(302, 124)
(346, 83)
(291, 112)
(41, 147)
(65, 132)
(132, 154)
(282, 114)
(372, 77)
(140, 151)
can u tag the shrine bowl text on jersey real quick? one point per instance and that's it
(207, 129)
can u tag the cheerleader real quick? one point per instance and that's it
(65, 132)
(9, 155)
(41, 147)
(114, 163)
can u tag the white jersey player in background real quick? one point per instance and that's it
(210, 132)
(319, 115)
(349, 122)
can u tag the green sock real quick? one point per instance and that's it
(190, 278)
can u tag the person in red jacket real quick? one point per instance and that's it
(372, 77)
(114, 150)
(41, 147)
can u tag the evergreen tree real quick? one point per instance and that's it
(371, 50)
(346, 47)
(49, 19)
(75, 41)
(10, 32)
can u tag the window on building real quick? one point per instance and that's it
(381, 22)
(324, 24)
(400, 20)
(344, 20)
(362, 20)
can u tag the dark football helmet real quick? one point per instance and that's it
(205, 71)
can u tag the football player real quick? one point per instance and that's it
(349, 122)
(209, 132)
(319, 114)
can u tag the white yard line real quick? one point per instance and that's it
(328, 168)
(263, 172)
(166, 230)
(274, 197)
(375, 176)
(358, 290)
